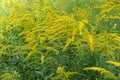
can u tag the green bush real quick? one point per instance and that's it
(59, 40)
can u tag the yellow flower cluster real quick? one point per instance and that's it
(61, 74)
(116, 64)
(104, 72)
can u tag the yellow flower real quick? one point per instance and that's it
(103, 71)
(73, 34)
(67, 44)
(1, 37)
(81, 26)
(60, 70)
(42, 58)
(117, 64)
(114, 26)
(91, 41)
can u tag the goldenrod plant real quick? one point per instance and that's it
(102, 71)
(62, 75)
(59, 39)
(106, 73)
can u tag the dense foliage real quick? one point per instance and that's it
(60, 40)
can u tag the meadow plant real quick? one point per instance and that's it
(59, 39)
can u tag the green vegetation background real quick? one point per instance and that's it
(59, 40)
